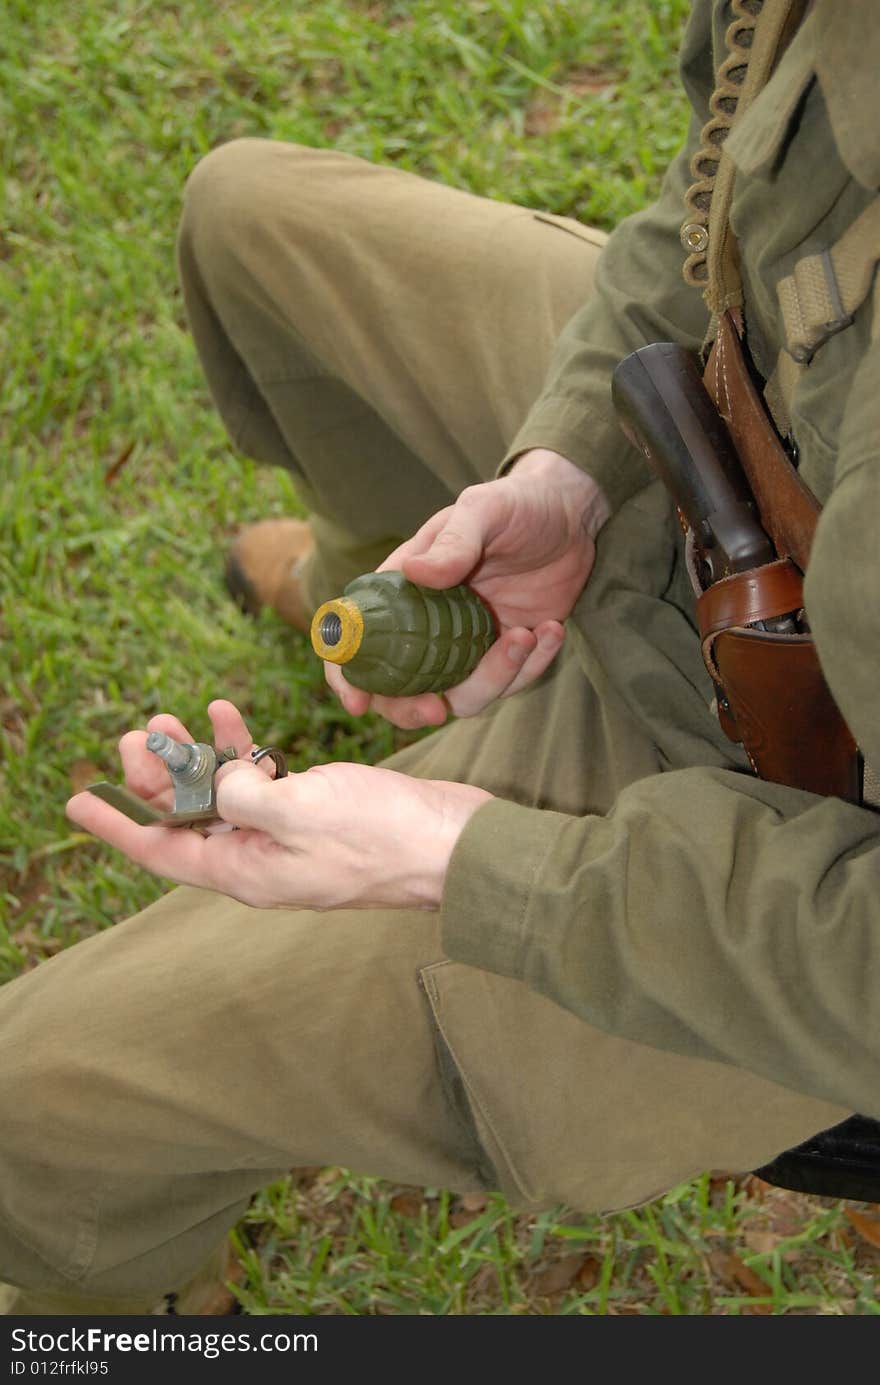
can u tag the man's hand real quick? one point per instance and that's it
(337, 836)
(526, 544)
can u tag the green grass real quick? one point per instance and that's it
(113, 606)
(324, 1242)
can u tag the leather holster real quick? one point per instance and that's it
(771, 692)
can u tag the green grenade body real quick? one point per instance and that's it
(414, 639)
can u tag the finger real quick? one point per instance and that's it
(229, 727)
(172, 852)
(144, 773)
(496, 672)
(246, 798)
(418, 543)
(172, 726)
(409, 713)
(454, 551)
(354, 700)
(265, 768)
(213, 829)
(550, 637)
(232, 863)
(412, 713)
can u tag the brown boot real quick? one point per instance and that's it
(263, 568)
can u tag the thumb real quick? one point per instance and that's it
(455, 551)
(246, 797)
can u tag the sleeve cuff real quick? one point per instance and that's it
(590, 438)
(484, 913)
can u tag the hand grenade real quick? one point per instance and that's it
(398, 639)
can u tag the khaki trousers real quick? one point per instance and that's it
(382, 337)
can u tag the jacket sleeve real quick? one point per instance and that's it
(711, 913)
(639, 297)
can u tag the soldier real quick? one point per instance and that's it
(568, 946)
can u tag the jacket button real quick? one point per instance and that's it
(694, 237)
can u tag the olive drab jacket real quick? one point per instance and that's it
(700, 909)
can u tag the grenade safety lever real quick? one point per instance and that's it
(399, 639)
(192, 766)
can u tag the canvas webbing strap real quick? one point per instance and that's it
(818, 299)
(755, 40)
(821, 295)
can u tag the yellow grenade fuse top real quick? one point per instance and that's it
(398, 639)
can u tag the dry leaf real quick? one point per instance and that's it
(484, 1281)
(761, 1242)
(748, 1278)
(305, 1173)
(589, 81)
(558, 1276)
(587, 1276)
(34, 945)
(787, 1214)
(407, 1204)
(83, 773)
(736, 1274)
(116, 466)
(461, 1217)
(719, 1180)
(474, 1202)
(756, 1188)
(541, 118)
(867, 1227)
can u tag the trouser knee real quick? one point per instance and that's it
(231, 203)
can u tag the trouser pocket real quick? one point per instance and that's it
(567, 1114)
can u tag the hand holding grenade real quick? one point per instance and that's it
(399, 639)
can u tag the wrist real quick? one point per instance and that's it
(455, 807)
(582, 492)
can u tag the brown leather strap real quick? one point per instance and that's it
(789, 511)
(775, 589)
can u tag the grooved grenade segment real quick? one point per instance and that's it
(398, 639)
